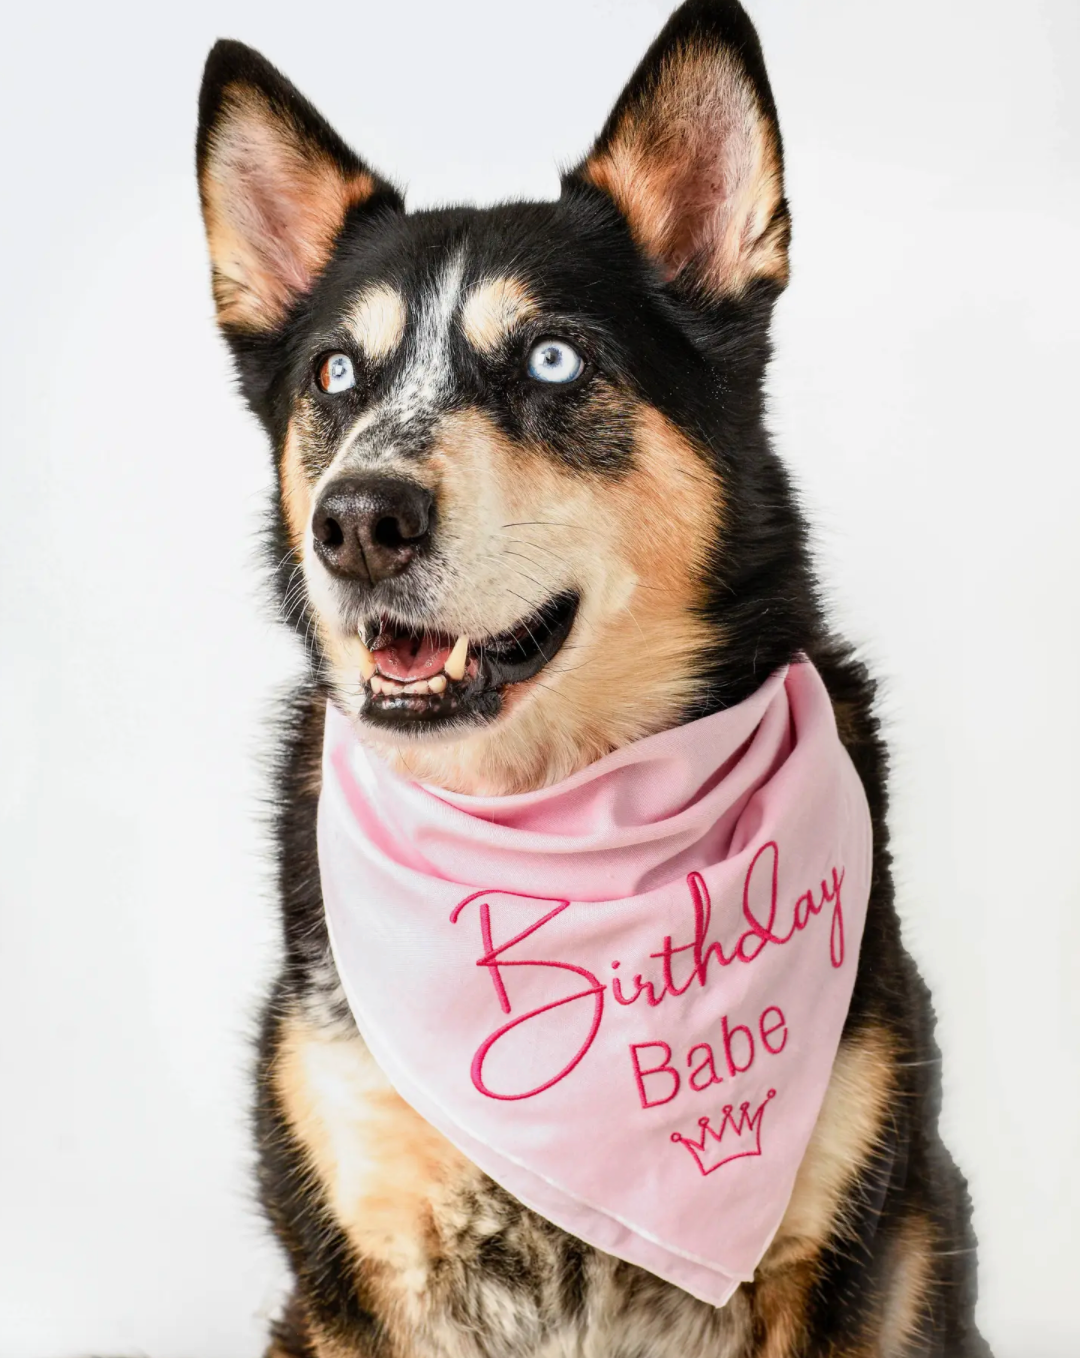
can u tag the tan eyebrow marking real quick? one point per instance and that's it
(378, 321)
(492, 309)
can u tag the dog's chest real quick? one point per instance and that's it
(450, 1259)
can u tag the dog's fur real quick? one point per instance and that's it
(649, 490)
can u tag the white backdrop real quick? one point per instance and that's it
(923, 393)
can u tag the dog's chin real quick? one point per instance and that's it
(427, 686)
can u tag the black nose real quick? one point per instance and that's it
(369, 528)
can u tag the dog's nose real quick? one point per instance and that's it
(369, 528)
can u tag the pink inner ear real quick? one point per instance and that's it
(276, 207)
(695, 168)
(280, 208)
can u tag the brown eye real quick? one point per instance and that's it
(336, 374)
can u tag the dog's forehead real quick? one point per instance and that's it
(441, 292)
(482, 306)
(479, 271)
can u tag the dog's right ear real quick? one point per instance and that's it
(276, 183)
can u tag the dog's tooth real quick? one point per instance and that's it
(418, 686)
(455, 661)
(367, 660)
(438, 683)
(376, 684)
(389, 686)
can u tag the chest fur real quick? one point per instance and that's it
(449, 1256)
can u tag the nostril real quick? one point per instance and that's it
(387, 533)
(328, 531)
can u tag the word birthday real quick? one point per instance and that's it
(681, 967)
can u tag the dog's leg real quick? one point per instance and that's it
(779, 1303)
(291, 1335)
(295, 1335)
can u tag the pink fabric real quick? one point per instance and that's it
(620, 996)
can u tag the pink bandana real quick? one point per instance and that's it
(620, 996)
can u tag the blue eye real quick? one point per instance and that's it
(554, 361)
(336, 374)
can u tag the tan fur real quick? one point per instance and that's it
(295, 486)
(779, 1301)
(325, 1346)
(517, 528)
(696, 171)
(378, 321)
(492, 310)
(385, 1172)
(273, 206)
(299, 1337)
(319, 1344)
(277, 1350)
(909, 1283)
(848, 1128)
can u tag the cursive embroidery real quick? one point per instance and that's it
(763, 928)
(493, 959)
(758, 934)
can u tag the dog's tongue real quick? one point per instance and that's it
(407, 658)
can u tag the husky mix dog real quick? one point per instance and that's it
(521, 451)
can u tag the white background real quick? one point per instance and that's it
(924, 394)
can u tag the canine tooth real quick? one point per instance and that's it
(376, 684)
(438, 683)
(367, 660)
(455, 661)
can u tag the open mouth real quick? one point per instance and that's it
(431, 677)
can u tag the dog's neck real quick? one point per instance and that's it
(494, 764)
(522, 755)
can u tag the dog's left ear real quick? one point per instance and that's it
(691, 155)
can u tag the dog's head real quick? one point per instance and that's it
(528, 511)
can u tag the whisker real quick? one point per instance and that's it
(538, 523)
(525, 624)
(539, 565)
(570, 669)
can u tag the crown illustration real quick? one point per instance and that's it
(738, 1135)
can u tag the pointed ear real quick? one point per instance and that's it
(276, 184)
(691, 155)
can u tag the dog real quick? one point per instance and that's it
(520, 453)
